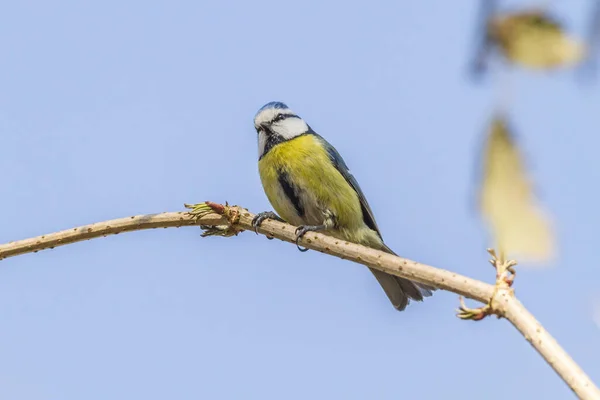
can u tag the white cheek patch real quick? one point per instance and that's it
(290, 128)
(285, 129)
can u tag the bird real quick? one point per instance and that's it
(310, 186)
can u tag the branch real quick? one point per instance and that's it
(228, 221)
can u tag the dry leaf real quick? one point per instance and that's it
(535, 40)
(519, 227)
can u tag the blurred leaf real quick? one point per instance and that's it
(589, 66)
(518, 225)
(535, 40)
(484, 41)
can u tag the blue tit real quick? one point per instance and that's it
(309, 185)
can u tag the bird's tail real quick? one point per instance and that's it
(400, 290)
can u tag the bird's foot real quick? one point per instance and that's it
(303, 230)
(260, 217)
(505, 277)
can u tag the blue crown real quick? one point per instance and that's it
(273, 104)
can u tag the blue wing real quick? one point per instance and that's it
(398, 290)
(341, 166)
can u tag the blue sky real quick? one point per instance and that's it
(109, 109)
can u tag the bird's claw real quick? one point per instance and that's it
(260, 217)
(301, 231)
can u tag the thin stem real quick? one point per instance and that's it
(505, 304)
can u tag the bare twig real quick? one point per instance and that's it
(505, 276)
(112, 227)
(222, 220)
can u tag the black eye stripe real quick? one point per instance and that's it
(281, 117)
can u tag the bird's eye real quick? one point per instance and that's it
(279, 118)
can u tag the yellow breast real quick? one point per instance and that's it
(320, 185)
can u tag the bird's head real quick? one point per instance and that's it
(276, 123)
